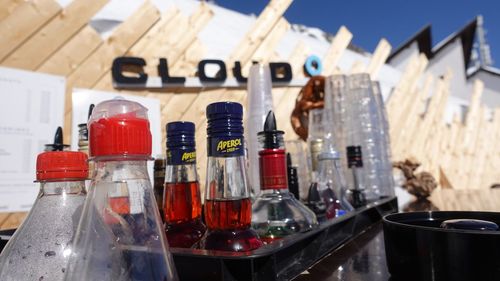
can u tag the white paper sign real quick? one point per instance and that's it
(83, 98)
(32, 107)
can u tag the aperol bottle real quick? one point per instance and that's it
(182, 200)
(228, 209)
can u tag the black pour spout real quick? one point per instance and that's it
(271, 138)
(91, 108)
(58, 144)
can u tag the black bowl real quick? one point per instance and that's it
(417, 248)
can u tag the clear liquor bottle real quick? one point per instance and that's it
(41, 247)
(276, 212)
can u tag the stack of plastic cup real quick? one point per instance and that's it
(362, 126)
(316, 134)
(386, 173)
(259, 103)
(355, 116)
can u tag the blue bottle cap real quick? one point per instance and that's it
(225, 129)
(225, 108)
(181, 145)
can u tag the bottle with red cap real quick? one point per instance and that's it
(276, 213)
(120, 235)
(41, 246)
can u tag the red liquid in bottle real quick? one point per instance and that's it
(182, 211)
(228, 223)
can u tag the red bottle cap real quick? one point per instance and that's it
(119, 127)
(58, 165)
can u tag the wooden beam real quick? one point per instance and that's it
(7, 7)
(54, 34)
(262, 26)
(92, 69)
(25, 20)
(337, 47)
(141, 48)
(69, 57)
(125, 35)
(379, 58)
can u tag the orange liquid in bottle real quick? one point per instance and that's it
(182, 210)
(228, 223)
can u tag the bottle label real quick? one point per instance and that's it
(225, 146)
(181, 156)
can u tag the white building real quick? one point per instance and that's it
(457, 52)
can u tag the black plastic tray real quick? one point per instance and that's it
(283, 259)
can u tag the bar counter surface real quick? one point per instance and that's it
(363, 258)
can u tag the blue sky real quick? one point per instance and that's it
(394, 20)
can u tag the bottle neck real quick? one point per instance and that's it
(62, 187)
(226, 178)
(181, 173)
(273, 172)
(113, 170)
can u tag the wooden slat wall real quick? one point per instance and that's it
(39, 35)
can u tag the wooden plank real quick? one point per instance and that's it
(117, 44)
(96, 65)
(158, 31)
(3, 217)
(403, 129)
(263, 25)
(177, 43)
(379, 58)
(14, 220)
(54, 34)
(337, 47)
(472, 115)
(246, 48)
(69, 57)
(398, 94)
(25, 20)
(7, 7)
(434, 106)
(169, 20)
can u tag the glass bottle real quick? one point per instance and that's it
(182, 200)
(228, 208)
(83, 142)
(159, 183)
(292, 177)
(40, 248)
(120, 235)
(298, 154)
(276, 213)
(356, 195)
(327, 196)
(83, 134)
